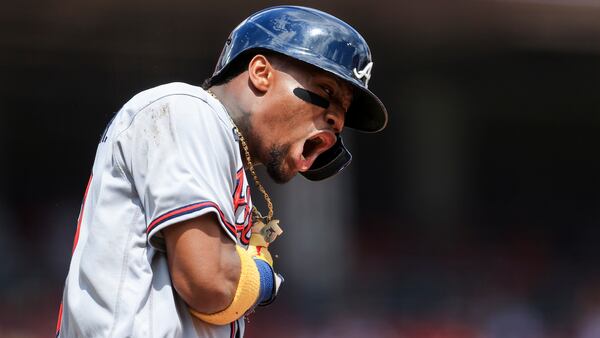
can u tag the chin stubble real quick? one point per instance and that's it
(274, 165)
(273, 159)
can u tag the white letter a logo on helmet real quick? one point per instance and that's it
(365, 72)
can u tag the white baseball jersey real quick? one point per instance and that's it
(170, 154)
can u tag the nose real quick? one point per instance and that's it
(335, 119)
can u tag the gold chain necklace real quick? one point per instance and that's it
(260, 187)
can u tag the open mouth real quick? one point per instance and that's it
(311, 146)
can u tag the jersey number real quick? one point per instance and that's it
(242, 204)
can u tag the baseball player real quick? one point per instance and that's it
(168, 243)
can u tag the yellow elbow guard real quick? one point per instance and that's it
(245, 297)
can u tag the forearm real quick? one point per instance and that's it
(204, 265)
(256, 285)
(210, 286)
(217, 279)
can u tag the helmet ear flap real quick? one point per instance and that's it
(329, 163)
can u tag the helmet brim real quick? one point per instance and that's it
(366, 113)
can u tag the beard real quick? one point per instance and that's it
(273, 158)
(274, 164)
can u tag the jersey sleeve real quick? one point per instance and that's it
(181, 159)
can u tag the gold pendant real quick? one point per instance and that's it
(265, 234)
(271, 231)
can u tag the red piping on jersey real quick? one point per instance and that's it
(59, 319)
(87, 188)
(81, 213)
(232, 335)
(189, 209)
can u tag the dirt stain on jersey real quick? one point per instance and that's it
(161, 122)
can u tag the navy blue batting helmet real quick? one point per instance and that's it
(319, 39)
(323, 41)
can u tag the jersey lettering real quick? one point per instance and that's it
(242, 206)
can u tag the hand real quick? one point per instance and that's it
(262, 236)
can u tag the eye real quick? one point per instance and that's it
(327, 90)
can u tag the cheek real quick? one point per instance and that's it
(293, 121)
(290, 112)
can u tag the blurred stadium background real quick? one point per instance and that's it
(474, 214)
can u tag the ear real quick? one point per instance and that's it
(260, 72)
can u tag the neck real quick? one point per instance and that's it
(230, 101)
(233, 105)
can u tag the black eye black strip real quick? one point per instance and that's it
(311, 97)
